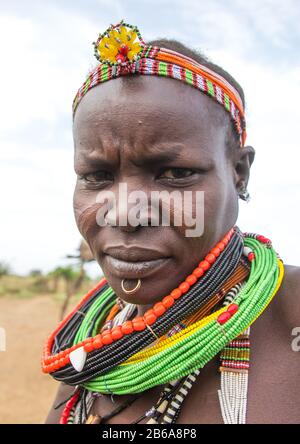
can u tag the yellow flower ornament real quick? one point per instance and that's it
(119, 44)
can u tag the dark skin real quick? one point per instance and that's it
(121, 130)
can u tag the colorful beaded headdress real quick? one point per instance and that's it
(122, 51)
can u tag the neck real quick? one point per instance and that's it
(141, 309)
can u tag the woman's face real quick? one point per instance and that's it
(152, 134)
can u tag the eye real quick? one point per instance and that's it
(97, 178)
(176, 173)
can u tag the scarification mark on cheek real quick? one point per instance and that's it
(87, 219)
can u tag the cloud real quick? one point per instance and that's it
(261, 31)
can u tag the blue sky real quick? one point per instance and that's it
(46, 52)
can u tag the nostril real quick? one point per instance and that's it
(110, 219)
(129, 228)
(125, 224)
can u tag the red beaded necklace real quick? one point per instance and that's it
(51, 363)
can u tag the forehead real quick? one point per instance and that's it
(145, 110)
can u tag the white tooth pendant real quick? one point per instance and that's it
(78, 358)
(247, 251)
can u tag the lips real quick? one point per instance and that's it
(134, 262)
(134, 254)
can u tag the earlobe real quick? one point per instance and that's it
(244, 194)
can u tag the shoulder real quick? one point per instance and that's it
(288, 297)
(63, 393)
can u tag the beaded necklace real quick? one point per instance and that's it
(177, 356)
(168, 406)
(105, 350)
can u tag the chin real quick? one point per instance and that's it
(150, 291)
(153, 289)
(156, 281)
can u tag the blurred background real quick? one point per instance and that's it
(45, 54)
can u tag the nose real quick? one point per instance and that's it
(129, 211)
(118, 218)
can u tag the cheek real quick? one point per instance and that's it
(208, 218)
(85, 210)
(208, 205)
(221, 204)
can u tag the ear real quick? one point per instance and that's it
(244, 159)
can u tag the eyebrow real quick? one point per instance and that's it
(159, 154)
(162, 156)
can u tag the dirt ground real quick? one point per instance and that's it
(26, 394)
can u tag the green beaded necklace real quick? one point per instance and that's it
(194, 346)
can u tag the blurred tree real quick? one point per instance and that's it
(40, 282)
(35, 273)
(72, 278)
(5, 269)
(74, 281)
(85, 252)
(54, 277)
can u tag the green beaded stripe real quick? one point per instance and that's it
(226, 101)
(189, 76)
(234, 358)
(83, 330)
(104, 72)
(210, 88)
(162, 68)
(88, 82)
(194, 351)
(148, 50)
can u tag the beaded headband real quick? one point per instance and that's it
(122, 51)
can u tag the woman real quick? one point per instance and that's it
(176, 305)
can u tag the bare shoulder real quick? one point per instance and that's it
(288, 297)
(64, 392)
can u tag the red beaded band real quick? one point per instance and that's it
(68, 407)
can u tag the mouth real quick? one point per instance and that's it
(134, 263)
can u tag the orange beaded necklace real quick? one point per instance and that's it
(51, 363)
